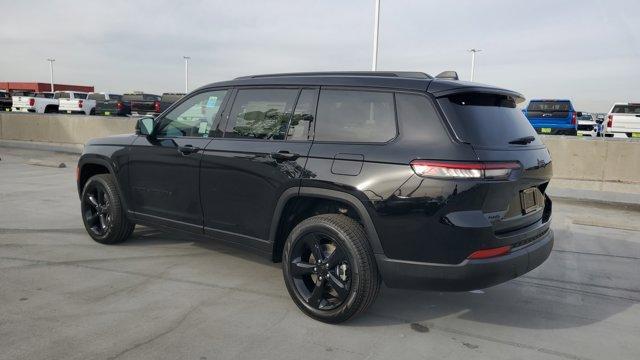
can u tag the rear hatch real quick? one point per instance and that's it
(22, 102)
(625, 118)
(498, 132)
(68, 103)
(549, 112)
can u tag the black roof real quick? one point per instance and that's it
(402, 80)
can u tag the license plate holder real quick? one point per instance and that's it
(545, 130)
(528, 200)
(107, 113)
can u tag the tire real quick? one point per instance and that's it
(102, 211)
(357, 271)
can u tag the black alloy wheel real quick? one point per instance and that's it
(329, 268)
(102, 212)
(321, 271)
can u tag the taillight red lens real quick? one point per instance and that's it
(32, 102)
(80, 103)
(610, 121)
(464, 170)
(489, 253)
(119, 105)
(156, 106)
(573, 119)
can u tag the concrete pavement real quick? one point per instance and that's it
(167, 296)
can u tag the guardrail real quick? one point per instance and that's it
(596, 163)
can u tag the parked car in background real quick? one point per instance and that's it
(624, 118)
(167, 99)
(556, 117)
(28, 101)
(109, 104)
(142, 103)
(587, 125)
(75, 102)
(349, 179)
(5, 101)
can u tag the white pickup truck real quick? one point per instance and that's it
(26, 101)
(75, 102)
(624, 119)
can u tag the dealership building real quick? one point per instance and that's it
(42, 87)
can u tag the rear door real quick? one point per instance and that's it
(497, 131)
(260, 153)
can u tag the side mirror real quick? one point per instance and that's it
(144, 126)
(579, 113)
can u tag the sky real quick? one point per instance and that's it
(586, 51)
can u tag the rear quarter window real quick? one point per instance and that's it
(487, 120)
(355, 116)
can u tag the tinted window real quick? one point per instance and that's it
(549, 106)
(261, 113)
(96, 96)
(487, 119)
(626, 109)
(79, 95)
(358, 116)
(150, 97)
(22, 93)
(194, 117)
(61, 95)
(115, 97)
(303, 116)
(171, 97)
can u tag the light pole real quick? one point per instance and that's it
(186, 73)
(376, 27)
(473, 60)
(51, 60)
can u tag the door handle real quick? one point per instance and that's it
(188, 149)
(284, 155)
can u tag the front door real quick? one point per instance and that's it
(164, 176)
(262, 154)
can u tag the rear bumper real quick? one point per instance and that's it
(468, 275)
(71, 111)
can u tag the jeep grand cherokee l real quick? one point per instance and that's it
(348, 179)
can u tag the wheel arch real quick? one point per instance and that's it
(90, 165)
(290, 197)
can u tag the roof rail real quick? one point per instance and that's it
(452, 75)
(400, 74)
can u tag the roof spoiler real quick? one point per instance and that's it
(451, 75)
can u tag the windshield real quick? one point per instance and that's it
(488, 120)
(548, 106)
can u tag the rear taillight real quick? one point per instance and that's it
(156, 106)
(119, 105)
(573, 118)
(610, 121)
(464, 170)
(32, 102)
(80, 103)
(489, 253)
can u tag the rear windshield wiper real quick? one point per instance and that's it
(523, 140)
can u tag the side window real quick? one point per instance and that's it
(261, 114)
(303, 116)
(194, 117)
(355, 116)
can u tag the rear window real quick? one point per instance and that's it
(626, 109)
(585, 117)
(549, 106)
(171, 97)
(22, 93)
(132, 97)
(62, 95)
(79, 96)
(488, 120)
(355, 116)
(96, 97)
(115, 97)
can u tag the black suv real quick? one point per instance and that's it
(348, 179)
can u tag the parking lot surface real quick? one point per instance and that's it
(167, 296)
